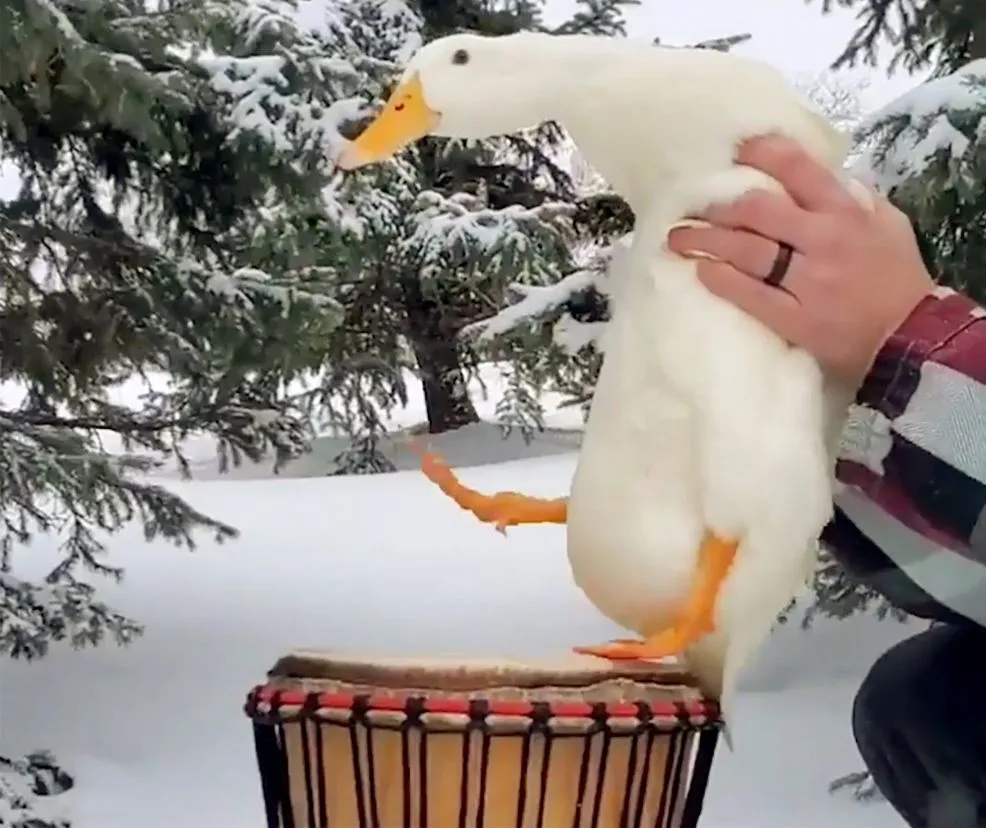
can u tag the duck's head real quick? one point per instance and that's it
(462, 86)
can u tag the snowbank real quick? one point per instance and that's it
(384, 564)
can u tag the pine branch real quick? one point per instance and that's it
(25, 786)
(925, 33)
(723, 44)
(117, 424)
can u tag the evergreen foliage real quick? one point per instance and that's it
(926, 34)
(926, 150)
(138, 242)
(25, 787)
(151, 225)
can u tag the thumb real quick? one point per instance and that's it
(776, 308)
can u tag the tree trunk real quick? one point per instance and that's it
(977, 44)
(447, 400)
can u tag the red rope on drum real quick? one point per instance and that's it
(264, 695)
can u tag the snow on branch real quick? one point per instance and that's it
(322, 18)
(258, 86)
(257, 19)
(60, 19)
(33, 616)
(299, 91)
(461, 218)
(538, 301)
(535, 301)
(462, 225)
(719, 44)
(942, 115)
(572, 336)
(724, 44)
(26, 786)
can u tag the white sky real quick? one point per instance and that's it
(795, 37)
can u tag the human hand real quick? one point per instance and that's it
(854, 276)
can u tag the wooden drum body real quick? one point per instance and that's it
(346, 743)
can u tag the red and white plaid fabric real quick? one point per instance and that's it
(912, 470)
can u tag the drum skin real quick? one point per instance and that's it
(464, 743)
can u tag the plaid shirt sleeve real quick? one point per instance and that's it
(915, 442)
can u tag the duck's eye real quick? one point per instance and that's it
(460, 57)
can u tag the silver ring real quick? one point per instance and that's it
(778, 270)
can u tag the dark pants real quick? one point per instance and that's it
(920, 723)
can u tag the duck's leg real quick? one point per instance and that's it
(503, 508)
(695, 619)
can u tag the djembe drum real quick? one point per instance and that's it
(359, 743)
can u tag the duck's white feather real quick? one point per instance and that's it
(702, 418)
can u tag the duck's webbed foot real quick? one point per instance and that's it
(502, 509)
(695, 619)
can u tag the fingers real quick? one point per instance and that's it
(777, 309)
(811, 185)
(751, 254)
(772, 215)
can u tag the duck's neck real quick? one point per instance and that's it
(618, 133)
(616, 153)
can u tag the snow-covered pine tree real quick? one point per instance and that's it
(151, 224)
(439, 234)
(26, 788)
(925, 151)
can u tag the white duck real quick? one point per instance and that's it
(705, 473)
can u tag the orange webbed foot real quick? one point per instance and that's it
(502, 509)
(620, 649)
(695, 619)
(505, 509)
(666, 644)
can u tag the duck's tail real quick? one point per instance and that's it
(717, 660)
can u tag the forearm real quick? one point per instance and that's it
(916, 442)
(868, 563)
(946, 333)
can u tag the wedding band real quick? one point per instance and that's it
(780, 266)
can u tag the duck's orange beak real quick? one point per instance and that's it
(405, 118)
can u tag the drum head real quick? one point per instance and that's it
(590, 679)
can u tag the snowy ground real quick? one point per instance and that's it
(156, 734)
